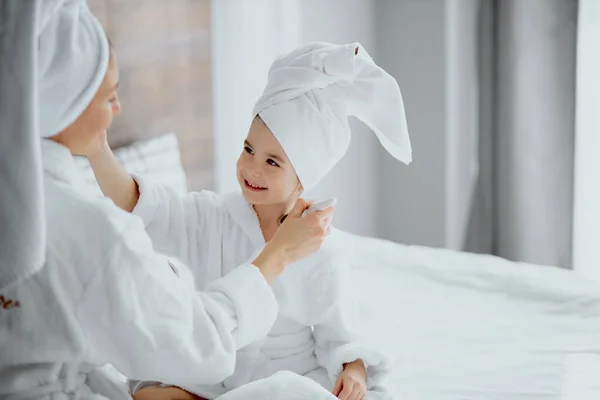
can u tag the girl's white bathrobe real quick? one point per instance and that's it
(212, 235)
(104, 296)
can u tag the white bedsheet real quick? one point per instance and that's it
(469, 327)
(465, 326)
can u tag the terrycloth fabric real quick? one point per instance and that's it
(22, 237)
(54, 55)
(73, 59)
(310, 94)
(281, 386)
(105, 296)
(212, 234)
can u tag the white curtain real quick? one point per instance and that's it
(246, 36)
(22, 219)
(586, 238)
(523, 203)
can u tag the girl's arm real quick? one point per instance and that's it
(340, 347)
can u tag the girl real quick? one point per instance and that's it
(102, 295)
(299, 132)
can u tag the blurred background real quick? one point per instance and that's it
(501, 98)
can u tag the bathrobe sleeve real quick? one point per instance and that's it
(181, 226)
(337, 335)
(142, 318)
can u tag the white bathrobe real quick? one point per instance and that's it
(104, 296)
(21, 192)
(212, 235)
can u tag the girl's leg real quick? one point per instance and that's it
(164, 393)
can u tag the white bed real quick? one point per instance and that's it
(458, 326)
(465, 326)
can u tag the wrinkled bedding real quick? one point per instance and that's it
(466, 326)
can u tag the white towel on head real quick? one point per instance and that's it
(310, 94)
(73, 59)
(53, 58)
(22, 232)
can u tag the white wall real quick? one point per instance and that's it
(410, 46)
(354, 180)
(586, 258)
(246, 36)
(430, 48)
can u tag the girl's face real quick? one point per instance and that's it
(81, 136)
(264, 172)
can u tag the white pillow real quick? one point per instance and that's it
(157, 159)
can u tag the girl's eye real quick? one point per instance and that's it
(272, 162)
(247, 149)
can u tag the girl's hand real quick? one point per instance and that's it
(352, 382)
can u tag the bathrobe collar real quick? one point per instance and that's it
(244, 215)
(58, 162)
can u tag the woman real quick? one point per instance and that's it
(103, 295)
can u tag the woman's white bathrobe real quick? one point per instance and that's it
(104, 296)
(212, 235)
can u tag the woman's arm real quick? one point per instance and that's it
(175, 222)
(115, 182)
(138, 315)
(178, 224)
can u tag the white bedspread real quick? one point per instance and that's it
(467, 327)
(464, 326)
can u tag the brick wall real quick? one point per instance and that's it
(163, 51)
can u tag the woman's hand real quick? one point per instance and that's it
(97, 147)
(352, 382)
(115, 182)
(296, 238)
(302, 236)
